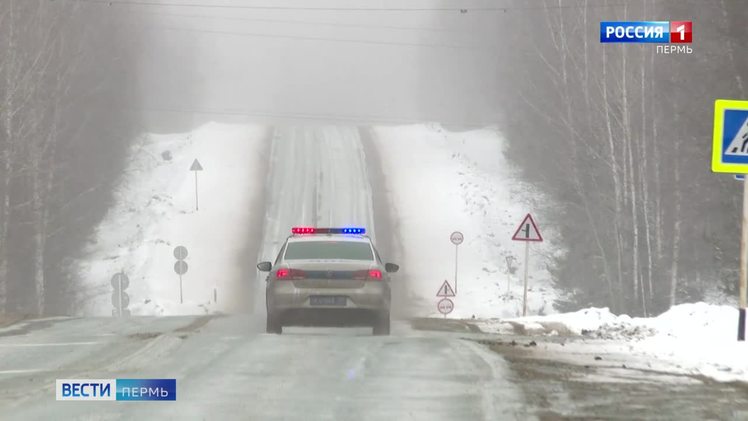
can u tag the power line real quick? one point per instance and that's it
(308, 38)
(460, 9)
(303, 22)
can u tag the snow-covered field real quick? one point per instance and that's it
(695, 338)
(154, 211)
(441, 181)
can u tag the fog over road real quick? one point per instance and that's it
(317, 177)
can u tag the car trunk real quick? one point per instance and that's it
(330, 273)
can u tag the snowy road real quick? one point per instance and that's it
(226, 369)
(318, 177)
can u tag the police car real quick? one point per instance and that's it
(328, 277)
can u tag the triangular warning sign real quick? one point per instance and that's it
(527, 230)
(445, 290)
(196, 166)
(739, 143)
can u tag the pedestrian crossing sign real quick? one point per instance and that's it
(730, 139)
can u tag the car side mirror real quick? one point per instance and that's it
(391, 267)
(264, 266)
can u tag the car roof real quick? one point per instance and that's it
(328, 237)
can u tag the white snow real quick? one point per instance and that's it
(694, 338)
(441, 181)
(438, 182)
(153, 211)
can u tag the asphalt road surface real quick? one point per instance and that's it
(227, 369)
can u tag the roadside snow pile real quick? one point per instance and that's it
(681, 321)
(441, 181)
(154, 211)
(696, 338)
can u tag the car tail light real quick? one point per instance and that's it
(370, 275)
(289, 274)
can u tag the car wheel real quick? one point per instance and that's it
(273, 325)
(382, 325)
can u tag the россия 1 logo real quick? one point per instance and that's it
(650, 32)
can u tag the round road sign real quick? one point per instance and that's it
(445, 306)
(456, 238)
(120, 277)
(180, 267)
(125, 299)
(180, 252)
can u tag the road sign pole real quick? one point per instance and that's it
(181, 300)
(456, 247)
(743, 265)
(196, 167)
(196, 202)
(527, 265)
(120, 297)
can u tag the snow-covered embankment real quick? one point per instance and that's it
(153, 211)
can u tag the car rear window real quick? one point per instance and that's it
(345, 250)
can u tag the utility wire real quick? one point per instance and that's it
(460, 9)
(302, 22)
(308, 38)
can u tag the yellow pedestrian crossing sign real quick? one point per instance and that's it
(730, 138)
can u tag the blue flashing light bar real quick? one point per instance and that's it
(313, 230)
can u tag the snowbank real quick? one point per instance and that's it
(440, 182)
(696, 338)
(154, 211)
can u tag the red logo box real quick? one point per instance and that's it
(681, 32)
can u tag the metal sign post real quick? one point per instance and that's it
(730, 155)
(456, 238)
(527, 266)
(743, 265)
(527, 231)
(195, 168)
(120, 299)
(180, 267)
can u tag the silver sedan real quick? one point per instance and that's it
(328, 277)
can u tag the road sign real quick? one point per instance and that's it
(445, 306)
(739, 177)
(730, 137)
(180, 267)
(180, 252)
(527, 230)
(445, 290)
(116, 298)
(730, 154)
(195, 167)
(120, 277)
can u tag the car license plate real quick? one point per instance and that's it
(327, 300)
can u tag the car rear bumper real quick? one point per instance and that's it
(293, 306)
(332, 317)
